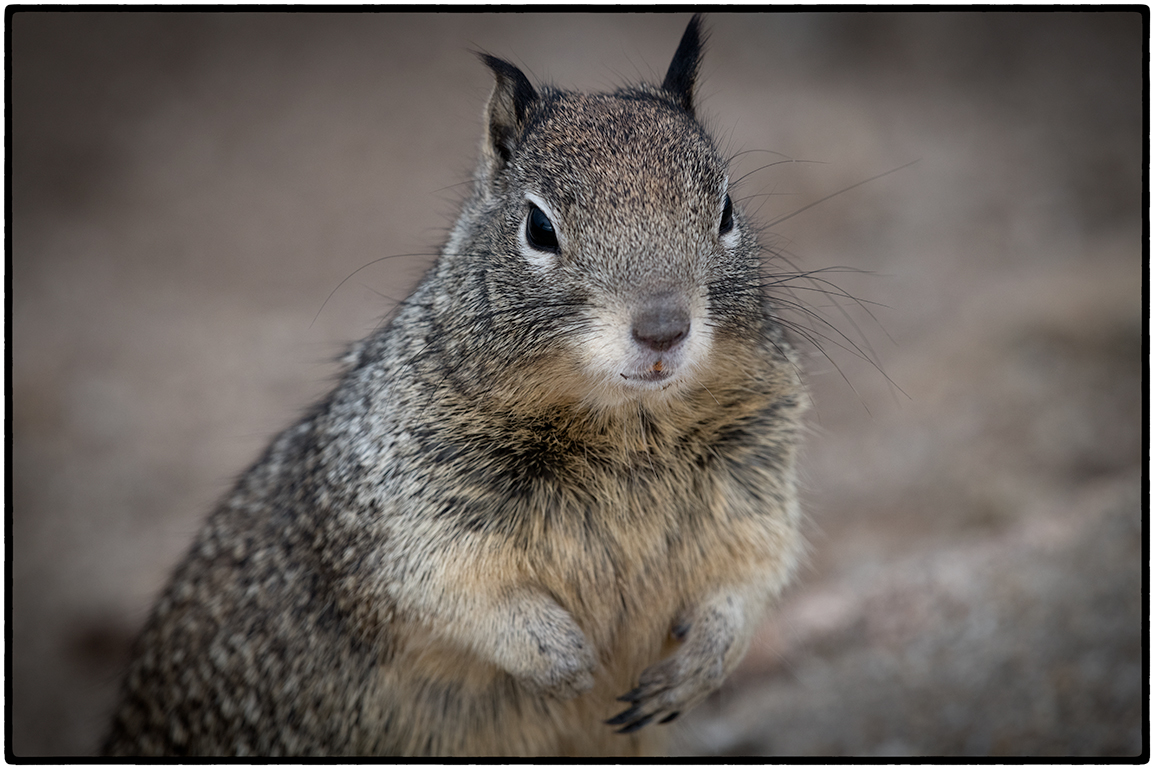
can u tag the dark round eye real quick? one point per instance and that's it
(539, 231)
(726, 217)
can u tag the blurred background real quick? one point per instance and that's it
(188, 189)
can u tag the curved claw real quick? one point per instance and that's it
(633, 720)
(625, 715)
(635, 725)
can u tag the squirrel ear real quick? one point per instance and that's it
(681, 78)
(508, 107)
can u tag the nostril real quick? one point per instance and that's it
(660, 327)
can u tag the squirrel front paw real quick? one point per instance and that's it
(672, 686)
(667, 689)
(557, 658)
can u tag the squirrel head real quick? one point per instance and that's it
(601, 246)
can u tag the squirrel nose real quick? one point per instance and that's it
(661, 325)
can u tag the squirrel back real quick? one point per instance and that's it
(559, 480)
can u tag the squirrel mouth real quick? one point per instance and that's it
(658, 372)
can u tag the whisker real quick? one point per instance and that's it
(363, 267)
(819, 201)
(745, 176)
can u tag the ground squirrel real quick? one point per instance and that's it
(547, 504)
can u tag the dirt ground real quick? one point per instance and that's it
(187, 190)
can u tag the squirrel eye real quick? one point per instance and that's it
(539, 231)
(726, 217)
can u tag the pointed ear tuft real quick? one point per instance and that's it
(508, 108)
(681, 79)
